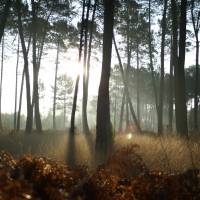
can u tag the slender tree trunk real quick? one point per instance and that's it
(35, 100)
(162, 73)
(196, 98)
(196, 26)
(127, 113)
(104, 129)
(55, 88)
(90, 43)
(180, 98)
(64, 110)
(127, 89)
(26, 69)
(20, 102)
(115, 114)
(3, 18)
(72, 121)
(1, 80)
(71, 141)
(21, 91)
(171, 91)
(122, 112)
(85, 75)
(128, 61)
(151, 60)
(16, 86)
(138, 85)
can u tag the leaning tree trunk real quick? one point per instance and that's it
(104, 129)
(71, 141)
(162, 71)
(21, 91)
(72, 121)
(126, 88)
(26, 69)
(180, 98)
(1, 80)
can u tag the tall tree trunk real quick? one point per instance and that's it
(35, 100)
(196, 98)
(138, 85)
(20, 101)
(128, 60)
(91, 32)
(26, 69)
(162, 72)
(127, 112)
(21, 90)
(104, 129)
(72, 121)
(127, 89)
(55, 88)
(71, 141)
(151, 60)
(171, 91)
(16, 86)
(64, 110)
(180, 98)
(3, 18)
(1, 80)
(122, 112)
(85, 75)
(196, 26)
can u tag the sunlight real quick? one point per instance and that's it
(129, 136)
(75, 69)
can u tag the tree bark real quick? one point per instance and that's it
(180, 98)
(1, 80)
(16, 86)
(55, 87)
(162, 72)
(85, 75)
(104, 129)
(35, 100)
(171, 91)
(151, 61)
(72, 121)
(196, 26)
(122, 112)
(21, 91)
(26, 70)
(138, 85)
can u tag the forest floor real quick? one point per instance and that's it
(142, 167)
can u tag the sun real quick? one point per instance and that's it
(74, 69)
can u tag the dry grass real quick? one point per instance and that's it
(170, 154)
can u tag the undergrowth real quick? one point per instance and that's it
(123, 177)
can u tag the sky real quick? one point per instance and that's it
(68, 65)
